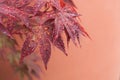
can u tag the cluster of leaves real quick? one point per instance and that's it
(41, 23)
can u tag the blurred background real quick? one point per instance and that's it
(97, 59)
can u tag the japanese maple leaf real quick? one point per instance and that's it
(15, 13)
(28, 47)
(49, 3)
(67, 20)
(70, 2)
(47, 39)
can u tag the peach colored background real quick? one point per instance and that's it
(99, 58)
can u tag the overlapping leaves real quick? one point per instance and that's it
(41, 23)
